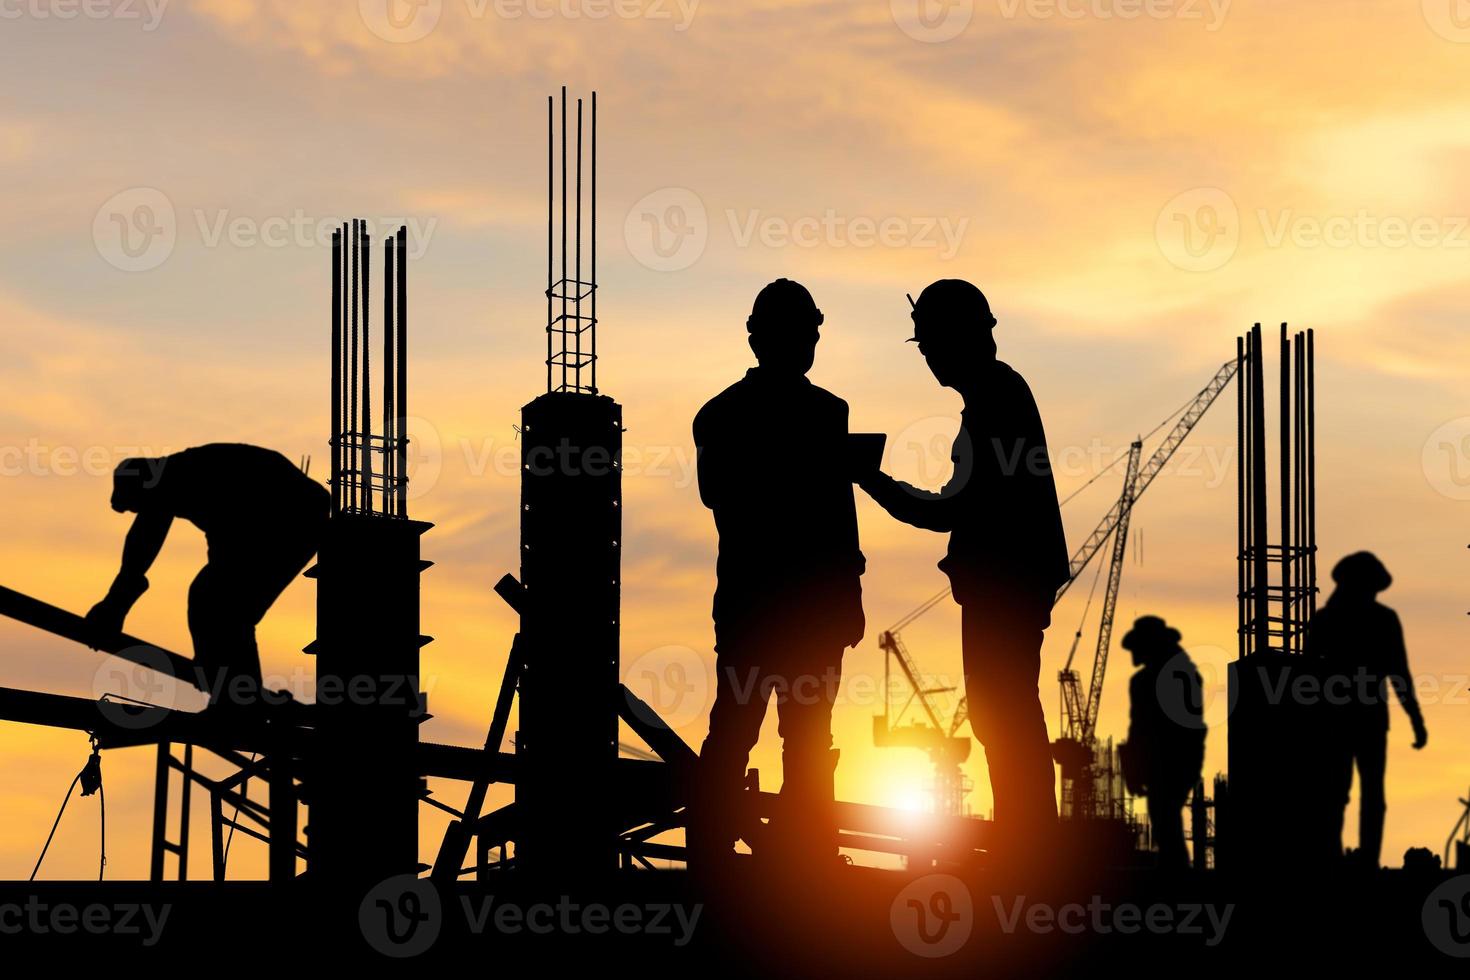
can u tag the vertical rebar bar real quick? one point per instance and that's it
(1240, 496)
(592, 276)
(577, 372)
(401, 401)
(1285, 411)
(1262, 573)
(336, 450)
(367, 374)
(1311, 397)
(389, 457)
(352, 435)
(550, 215)
(1299, 601)
(563, 344)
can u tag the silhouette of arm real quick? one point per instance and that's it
(905, 502)
(144, 541)
(711, 466)
(1400, 679)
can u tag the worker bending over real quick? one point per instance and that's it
(262, 520)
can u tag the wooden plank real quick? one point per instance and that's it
(70, 626)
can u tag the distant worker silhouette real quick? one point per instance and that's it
(1007, 554)
(262, 520)
(1165, 751)
(773, 469)
(1362, 644)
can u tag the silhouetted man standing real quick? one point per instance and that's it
(1362, 644)
(1007, 554)
(262, 519)
(772, 467)
(1166, 732)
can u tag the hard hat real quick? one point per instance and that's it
(950, 304)
(782, 302)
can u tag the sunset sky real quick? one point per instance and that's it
(1132, 182)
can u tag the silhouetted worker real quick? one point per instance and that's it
(262, 520)
(1166, 732)
(1362, 644)
(773, 468)
(1007, 554)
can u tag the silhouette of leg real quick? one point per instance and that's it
(1165, 817)
(1002, 658)
(223, 632)
(741, 692)
(1371, 751)
(229, 597)
(804, 699)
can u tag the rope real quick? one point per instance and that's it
(75, 779)
(102, 802)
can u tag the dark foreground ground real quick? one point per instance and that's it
(852, 922)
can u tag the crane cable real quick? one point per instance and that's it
(1083, 620)
(1124, 454)
(91, 779)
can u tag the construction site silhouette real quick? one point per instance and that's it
(613, 836)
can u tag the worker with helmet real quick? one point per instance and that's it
(1165, 751)
(1360, 643)
(262, 519)
(773, 468)
(1007, 554)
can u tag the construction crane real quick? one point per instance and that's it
(939, 736)
(1076, 749)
